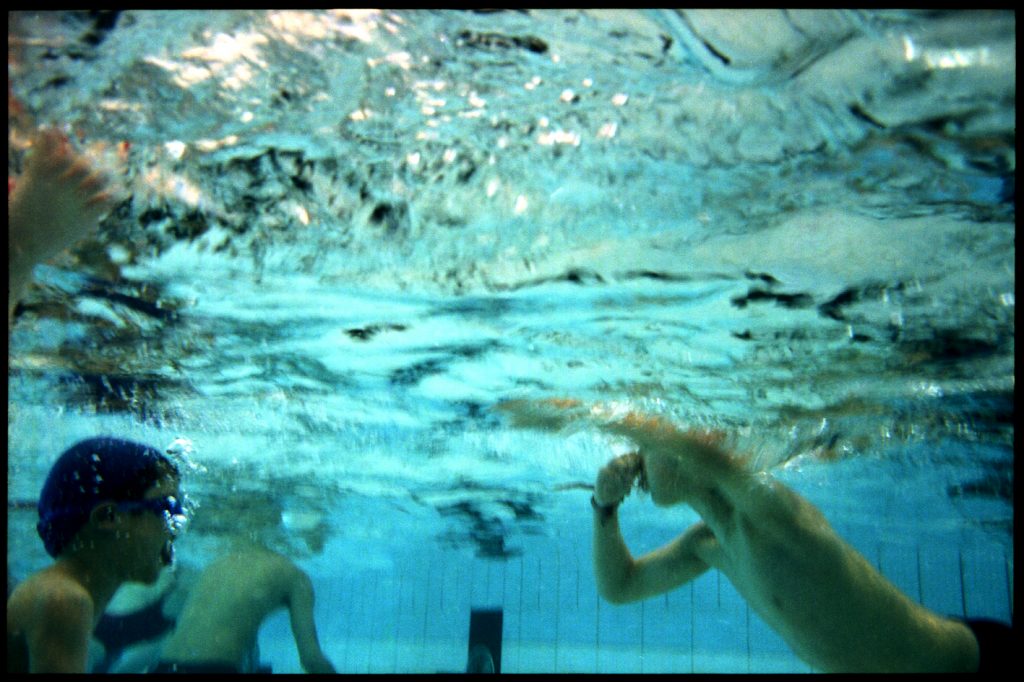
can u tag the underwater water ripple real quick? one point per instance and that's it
(333, 266)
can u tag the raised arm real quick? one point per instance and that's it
(57, 201)
(833, 608)
(831, 605)
(620, 577)
(300, 608)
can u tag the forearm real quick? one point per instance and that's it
(18, 278)
(19, 270)
(24, 246)
(613, 564)
(317, 664)
(621, 579)
(304, 627)
(22, 256)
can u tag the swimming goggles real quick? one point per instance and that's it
(175, 513)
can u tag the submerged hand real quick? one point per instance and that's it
(676, 463)
(57, 201)
(615, 479)
(551, 414)
(318, 665)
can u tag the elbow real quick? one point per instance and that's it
(616, 583)
(613, 594)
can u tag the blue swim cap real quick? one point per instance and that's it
(88, 473)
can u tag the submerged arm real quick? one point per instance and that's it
(621, 579)
(300, 607)
(57, 201)
(831, 605)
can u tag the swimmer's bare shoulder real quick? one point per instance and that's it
(50, 617)
(228, 603)
(41, 593)
(286, 573)
(260, 559)
(267, 574)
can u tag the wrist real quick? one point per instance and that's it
(605, 510)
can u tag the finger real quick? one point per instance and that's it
(632, 425)
(641, 480)
(715, 437)
(102, 200)
(48, 158)
(50, 141)
(627, 466)
(76, 171)
(632, 459)
(625, 478)
(95, 182)
(508, 405)
(563, 403)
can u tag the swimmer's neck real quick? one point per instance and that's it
(93, 575)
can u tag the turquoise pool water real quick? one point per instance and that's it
(351, 234)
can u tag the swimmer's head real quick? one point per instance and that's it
(92, 472)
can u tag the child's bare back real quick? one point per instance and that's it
(231, 598)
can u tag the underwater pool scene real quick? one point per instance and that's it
(348, 236)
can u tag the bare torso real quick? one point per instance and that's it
(17, 647)
(224, 610)
(26, 612)
(826, 601)
(818, 592)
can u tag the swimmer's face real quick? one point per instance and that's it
(148, 536)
